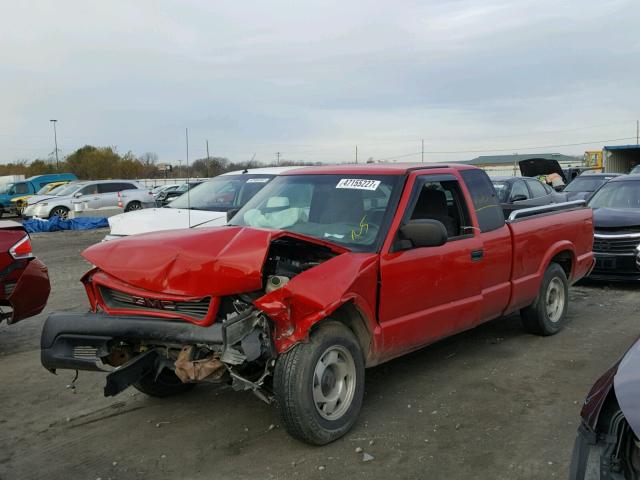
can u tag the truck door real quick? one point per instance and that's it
(431, 292)
(496, 243)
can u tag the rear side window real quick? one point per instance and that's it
(485, 200)
(537, 189)
(115, 187)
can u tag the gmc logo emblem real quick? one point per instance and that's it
(153, 303)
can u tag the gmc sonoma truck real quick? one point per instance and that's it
(326, 271)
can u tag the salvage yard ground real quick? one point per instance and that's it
(494, 403)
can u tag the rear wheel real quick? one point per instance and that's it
(547, 315)
(319, 385)
(166, 385)
(135, 205)
(61, 212)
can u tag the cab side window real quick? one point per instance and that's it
(485, 200)
(442, 200)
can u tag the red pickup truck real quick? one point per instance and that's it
(324, 272)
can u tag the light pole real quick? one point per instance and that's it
(55, 140)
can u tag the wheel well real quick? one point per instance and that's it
(350, 316)
(565, 260)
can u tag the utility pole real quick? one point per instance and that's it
(277, 158)
(208, 161)
(55, 141)
(356, 154)
(423, 150)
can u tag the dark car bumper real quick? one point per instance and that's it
(616, 268)
(582, 450)
(79, 341)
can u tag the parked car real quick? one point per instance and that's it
(24, 280)
(521, 192)
(321, 274)
(94, 194)
(635, 170)
(584, 185)
(607, 445)
(28, 187)
(164, 188)
(616, 217)
(206, 205)
(18, 204)
(167, 196)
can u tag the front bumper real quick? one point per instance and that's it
(79, 341)
(616, 267)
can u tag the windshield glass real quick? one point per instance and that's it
(617, 195)
(344, 209)
(221, 194)
(502, 189)
(6, 187)
(586, 184)
(53, 191)
(70, 189)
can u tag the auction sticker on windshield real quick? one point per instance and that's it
(358, 184)
(258, 180)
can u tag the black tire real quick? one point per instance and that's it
(294, 379)
(135, 205)
(166, 385)
(62, 212)
(548, 313)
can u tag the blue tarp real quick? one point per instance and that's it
(55, 223)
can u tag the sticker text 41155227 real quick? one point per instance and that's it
(358, 184)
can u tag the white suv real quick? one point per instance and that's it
(204, 205)
(93, 194)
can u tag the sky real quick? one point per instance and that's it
(313, 80)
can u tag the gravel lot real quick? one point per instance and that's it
(492, 403)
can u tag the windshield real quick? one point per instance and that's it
(502, 189)
(586, 184)
(6, 187)
(53, 191)
(344, 209)
(625, 194)
(221, 194)
(69, 189)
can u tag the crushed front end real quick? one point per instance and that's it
(192, 326)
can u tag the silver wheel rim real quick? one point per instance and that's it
(61, 213)
(334, 382)
(555, 299)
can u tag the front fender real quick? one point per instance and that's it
(318, 292)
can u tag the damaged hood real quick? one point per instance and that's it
(214, 261)
(535, 167)
(627, 386)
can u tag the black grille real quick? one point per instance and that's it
(117, 299)
(615, 246)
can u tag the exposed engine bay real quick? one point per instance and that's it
(246, 356)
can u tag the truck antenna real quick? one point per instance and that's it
(186, 137)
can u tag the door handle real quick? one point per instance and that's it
(477, 255)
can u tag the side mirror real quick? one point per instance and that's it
(518, 198)
(424, 233)
(231, 213)
(77, 195)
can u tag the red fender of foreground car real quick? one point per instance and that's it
(24, 280)
(324, 272)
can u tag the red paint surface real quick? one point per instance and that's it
(409, 298)
(30, 293)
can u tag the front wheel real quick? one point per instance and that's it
(319, 385)
(135, 205)
(166, 385)
(61, 212)
(547, 315)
